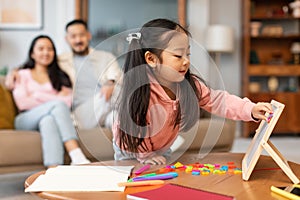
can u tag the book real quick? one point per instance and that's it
(177, 192)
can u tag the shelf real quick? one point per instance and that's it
(273, 94)
(274, 70)
(281, 37)
(274, 17)
(277, 33)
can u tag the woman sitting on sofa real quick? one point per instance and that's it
(43, 96)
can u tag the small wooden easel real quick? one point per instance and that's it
(261, 141)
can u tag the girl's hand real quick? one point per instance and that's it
(259, 110)
(156, 160)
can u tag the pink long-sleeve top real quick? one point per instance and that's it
(161, 132)
(28, 93)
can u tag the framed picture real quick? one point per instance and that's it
(21, 14)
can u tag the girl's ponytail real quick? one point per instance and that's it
(134, 97)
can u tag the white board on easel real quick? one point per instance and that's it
(261, 141)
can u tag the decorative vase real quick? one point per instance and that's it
(255, 27)
(296, 8)
(273, 84)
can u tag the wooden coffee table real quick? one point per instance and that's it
(265, 174)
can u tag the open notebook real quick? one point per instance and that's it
(81, 178)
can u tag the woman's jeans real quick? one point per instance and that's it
(53, 120)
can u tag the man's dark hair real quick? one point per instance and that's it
(77, 21)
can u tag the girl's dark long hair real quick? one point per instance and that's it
(57, 77)
(135, 93)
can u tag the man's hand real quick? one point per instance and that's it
(107, 90)
(11, 79)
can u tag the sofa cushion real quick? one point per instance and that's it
(97, 143)
(8, 109)
(209, 135)
(20, 148)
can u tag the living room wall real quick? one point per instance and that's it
(231, 63)
(14, 44)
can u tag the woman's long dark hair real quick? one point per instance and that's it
(57, 77)
(135, 93)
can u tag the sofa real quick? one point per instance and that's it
(20, 150)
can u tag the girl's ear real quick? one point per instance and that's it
(151, 59)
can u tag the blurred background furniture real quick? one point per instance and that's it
(270, 59)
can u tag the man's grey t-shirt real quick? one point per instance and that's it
(86, 83)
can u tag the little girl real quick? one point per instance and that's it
(160, 96)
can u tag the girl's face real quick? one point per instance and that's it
(175, 60)
(43, 52)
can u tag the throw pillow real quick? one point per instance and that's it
(8, 109)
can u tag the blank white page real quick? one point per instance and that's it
(81, 178)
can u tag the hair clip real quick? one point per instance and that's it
(135, 36)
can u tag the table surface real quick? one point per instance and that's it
(266, 173)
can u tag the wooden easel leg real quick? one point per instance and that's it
(280, 160)
(277, 152)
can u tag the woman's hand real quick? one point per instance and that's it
(64, 91)
(11, 79)
(259, 110)
(156, 160)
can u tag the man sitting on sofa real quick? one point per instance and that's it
(93, 74)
